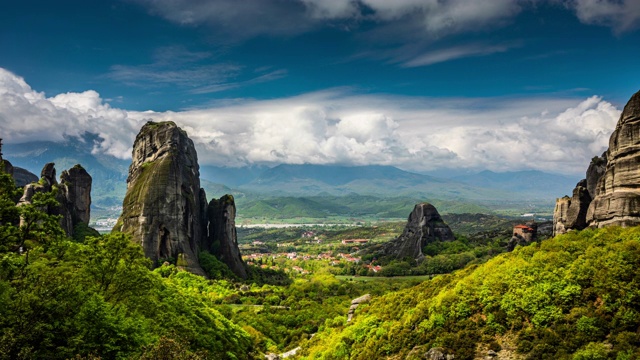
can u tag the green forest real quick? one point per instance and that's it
(576, 296)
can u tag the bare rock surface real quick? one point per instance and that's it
(162, 209)
(75, 185)
(73, 195)
(166, 211)
(223, 239)
(595, 171)
(425, 225)
(617, 200)
(355, 303)
(570, 213)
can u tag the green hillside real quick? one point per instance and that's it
(576, 296)
(361, 206)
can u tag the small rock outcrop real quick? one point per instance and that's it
(73, 195)
(165, 210)
(438, 353)
(617, 198)
(162, 207)
(424, 226)
(355, 303)
(223, 240)
(570, 213)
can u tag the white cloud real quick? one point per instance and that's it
(331, 9)
(435, 18)
(27, 115)
(175, 65)
(620, 15)
(443, 55)
(451, 16)
(277, 17)
(337, 126)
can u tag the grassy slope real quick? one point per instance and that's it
(576, 296)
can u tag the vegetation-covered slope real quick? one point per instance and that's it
(59, 298)
(576, 296)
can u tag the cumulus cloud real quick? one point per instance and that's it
(28, 115)
(336, 126)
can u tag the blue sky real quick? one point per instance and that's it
(421, 84)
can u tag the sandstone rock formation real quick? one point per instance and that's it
(423, 226)
(611, 191)
(165, 210)
(73, 195)
(75, 185)
(162, 207)
(223, 241)
(595, 171)
(617, 198)
(570, 213)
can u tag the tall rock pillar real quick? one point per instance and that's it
(162, 209)
(617, 200)
(223, 241)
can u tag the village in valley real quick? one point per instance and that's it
(313, 249)
(352, 251)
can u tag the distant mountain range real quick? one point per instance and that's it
(317, 187)
(533, 182)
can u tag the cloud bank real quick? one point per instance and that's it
(433, 17)
(336, 126)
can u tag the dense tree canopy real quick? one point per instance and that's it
(576, 296)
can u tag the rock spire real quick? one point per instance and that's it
(161, 209)
(165, 209)
(424, 226)
(73, 195)
(223, 241)
(617, 198)
(610, 194)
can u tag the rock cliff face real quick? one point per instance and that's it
(570, 213)
(165, 210)
(162, 207)
(223, 241)
(595, 171)
(610, 194)
(73, 196)
(423, 226)
(617, 198)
